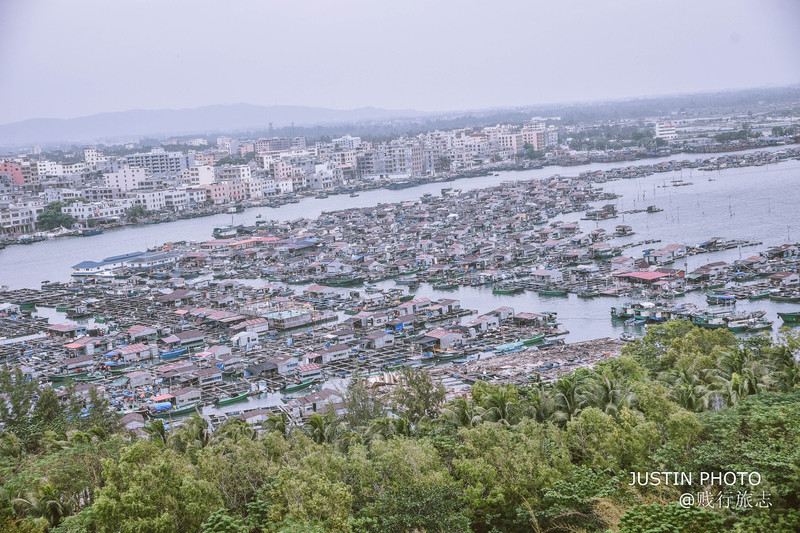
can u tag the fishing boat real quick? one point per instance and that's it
(62, 377)
(509, 289)
(298, 386)
(171, 354)
(449, 356)
(553, 292)
(759, 325)
(173, 412)
(343, 281)
(353, 195)
(586, 293)
(232, 399)
(627, 337)
(121, 369)
(445, 286)
(785, 297)
(759, 295)
(711, 320)
(88, 232)
(738, 325)
(720, 298)
(790, 318)
(533, 340)
(511, 347)
(227, 232)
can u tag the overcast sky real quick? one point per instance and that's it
(71, 58)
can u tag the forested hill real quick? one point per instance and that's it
(553, 457)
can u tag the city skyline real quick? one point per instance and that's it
(390, 57)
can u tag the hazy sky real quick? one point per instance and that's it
(67, 58)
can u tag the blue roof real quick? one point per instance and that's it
(115, 258)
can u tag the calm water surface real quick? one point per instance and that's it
(753, 203)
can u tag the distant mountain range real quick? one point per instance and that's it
(164, 122)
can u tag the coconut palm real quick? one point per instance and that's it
(235, 428)
(566, 397)
(738, 374)
(322, 428)
(279, 423)
(47, 503)
(462, 413)
(687, 388)
(157, 432)
(785, 369)
(607, 393)
(502, 406)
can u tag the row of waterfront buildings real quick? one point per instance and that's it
(104, 186)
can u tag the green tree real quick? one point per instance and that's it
(52, 217)
(443, 164)
(19, 391)
(152, 488)
(416, 395)
(656, 518)
(135, 212)
(48, 503)
(221, 522)
(361, 405)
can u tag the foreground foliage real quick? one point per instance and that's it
(544, 457)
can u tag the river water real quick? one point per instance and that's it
(752, 203)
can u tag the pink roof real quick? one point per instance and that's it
(133, 348)
(646, 275)
(438, 333)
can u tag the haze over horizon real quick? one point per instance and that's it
(73, 59)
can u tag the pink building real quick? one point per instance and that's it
(14, 170)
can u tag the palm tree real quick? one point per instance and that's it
(566, 397)
(607, 393)
(321, 428)
(47, 503)
(462, 413)
(738, 375)
(235, 428)
(381, 429)
(157, 432)
(350, 438)
(785, 369)
(278, 424)
(502, 407)
(687, 389)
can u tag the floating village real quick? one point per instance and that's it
(279, 316)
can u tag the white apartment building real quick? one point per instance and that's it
(94, 210)
(159, 161)
(18, 218)
(326, 176)
(126, 179)
(60, 195)
(74, 168)
(176, 199)
(286, 185)
(254, 188)
(232, 172)
(666, 131)
(347, 142)
(92, 156)
(198, 175)
(198, 195)
(46, 168)
(151, 200)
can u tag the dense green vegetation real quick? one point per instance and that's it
(544, 457)
(52, 217)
